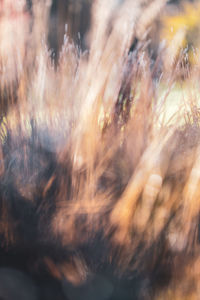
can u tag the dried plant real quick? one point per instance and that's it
(97, 190)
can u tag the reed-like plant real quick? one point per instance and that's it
(94, 182)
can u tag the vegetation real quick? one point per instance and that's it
(181, 32)
(99, 191)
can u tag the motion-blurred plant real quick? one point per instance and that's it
(181, 33)
(98, 191)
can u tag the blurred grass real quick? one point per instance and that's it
(174, 101)
(123, 139)
(181, 31)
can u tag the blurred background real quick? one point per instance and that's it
(170, 31)
(171, 25)
(177, 25)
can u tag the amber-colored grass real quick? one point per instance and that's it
(126, 173)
